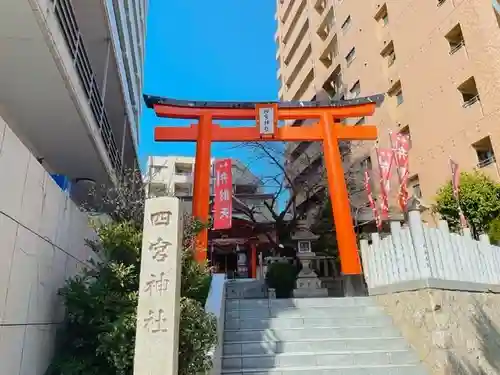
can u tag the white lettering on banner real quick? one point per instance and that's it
(224, 213)
(224, 195)
(221, 178)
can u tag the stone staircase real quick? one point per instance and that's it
(320, 336)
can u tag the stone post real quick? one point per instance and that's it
(418, 238)
(157, 331)
(484, 238)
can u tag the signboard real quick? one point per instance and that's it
(267, 120)
(223, 190)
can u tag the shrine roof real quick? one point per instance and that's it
(152, 100)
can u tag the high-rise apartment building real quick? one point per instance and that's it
(437, 61)
(71, 76)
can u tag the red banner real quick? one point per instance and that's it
(373, 206)
(384, 157)
(455, 178)
(455, 184)
(401, 148)
(223, 190)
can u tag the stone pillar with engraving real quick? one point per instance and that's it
(157, 331)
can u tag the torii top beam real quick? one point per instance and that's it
(311, 110)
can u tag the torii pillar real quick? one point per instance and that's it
(267, 115)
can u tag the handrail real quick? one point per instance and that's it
(65, 16)
(152, 100)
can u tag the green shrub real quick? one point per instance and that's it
(494, 231)
(281, 277)
(479, 200)
(98, 335)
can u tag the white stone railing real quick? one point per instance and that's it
(416, 256)
(215, 304)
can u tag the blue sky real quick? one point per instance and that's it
(208, 50)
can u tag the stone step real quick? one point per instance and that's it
(308, 334)
(333, 370)
(298, 322)
(245, 304)
(315, 346)
(285, 360)
(317, 312)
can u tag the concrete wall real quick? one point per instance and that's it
(42, 237)
(453, 332)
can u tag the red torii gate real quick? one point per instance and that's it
(267, 116)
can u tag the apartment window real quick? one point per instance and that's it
(484, 151)
(469, 92)
(382, 15)
(155, 170)
(455, 39)
(330, 52)
(397, 92)
(399, 97)
(361, 121)
(182, 169)
(157, 190)
(351, 56)
(414, 183)
(355, 90)
(320, 6)
(182, 190)
(333, 84)
(367, 163)
(389, 54)
(346, 25)
(406, 131)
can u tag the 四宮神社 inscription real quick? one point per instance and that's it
(159, 293)
(156, 284)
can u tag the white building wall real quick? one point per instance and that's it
(42, 243)
(161, 171)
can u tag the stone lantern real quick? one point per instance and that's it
(308, 284)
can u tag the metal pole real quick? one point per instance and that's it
(123, 141)
(105, 78)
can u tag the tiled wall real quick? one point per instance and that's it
(42, 243)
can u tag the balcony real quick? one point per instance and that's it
(315, 184)
(297, 10)
(303, 56)
(102, 24)
(378, 6)
(306, 159)
(298, 37)
(57, 106)
(385, 40)
(392, 73)
(330, 50)
(287, 11)
(303, 83)
(327, 23)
